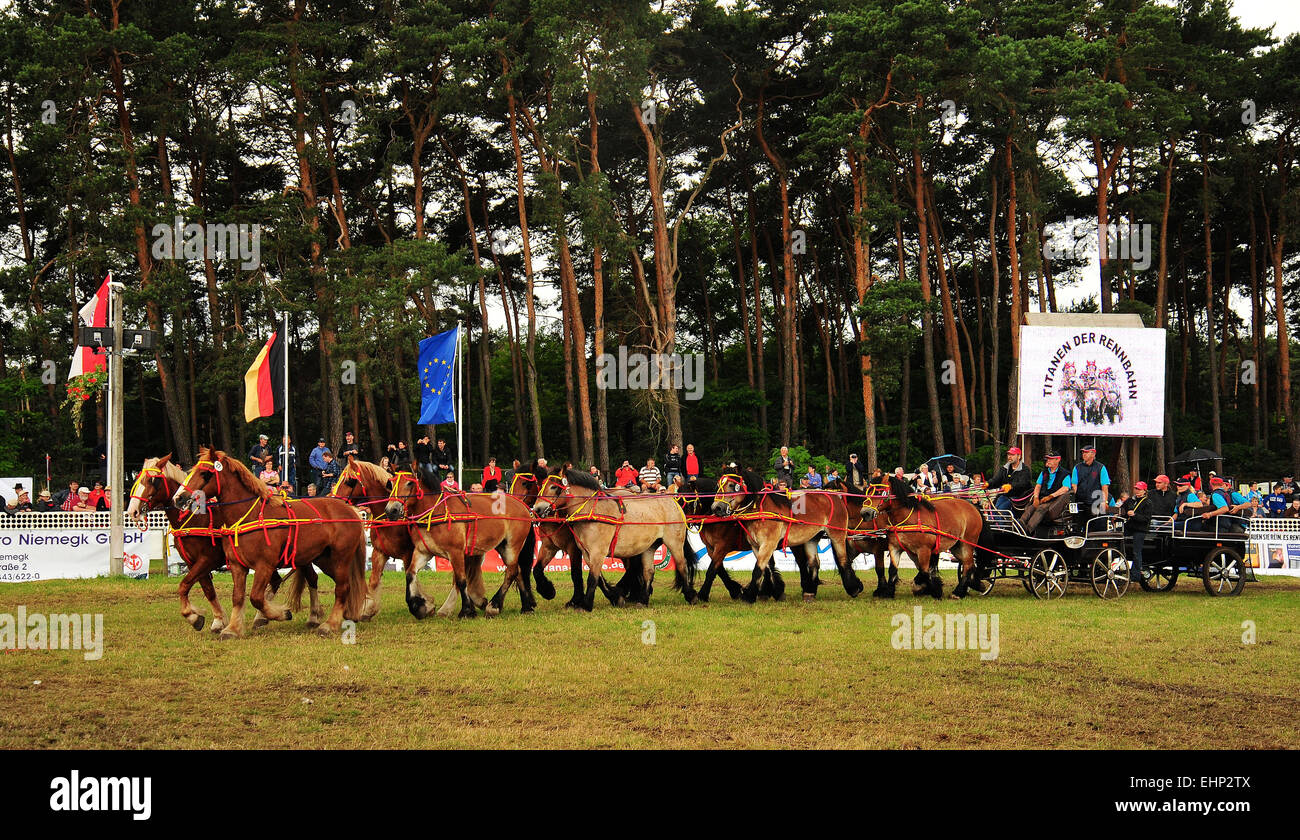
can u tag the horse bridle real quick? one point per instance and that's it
(214, 469)
(396, 482)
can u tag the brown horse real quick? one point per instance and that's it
(722, 537)
(615, 524)
(867, 536)
(924, 527)
(462, 527)
(771, 518)
(197, 540)
(262, 530)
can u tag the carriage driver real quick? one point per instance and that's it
(1014, 481)
(1050, 494)
(1091, 483)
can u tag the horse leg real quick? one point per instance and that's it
(839, 547)
(514, 572)
(371, 607)
(683, 566)
(196, 571)
(881, 587)
(474, 580)
(966, 555)
(239, 581)
(928, 559)
(317, 613)
(272, 611)
(762, 556)
(210, 592)
(710, 573)
(415, 600)
(456, 557)
(596, 551)
(575, 572)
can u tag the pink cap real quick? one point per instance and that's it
(1141, 485)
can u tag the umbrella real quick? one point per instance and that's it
(1196, 456)
(939, 463)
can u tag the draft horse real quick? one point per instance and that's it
(197, 540)
(615, 524)
(723, 536)
(773, 518)
(262, 530)
(923, 527)
(462, 527)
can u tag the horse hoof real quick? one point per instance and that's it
(217, 626)
(227, 635)
(196, 621)
(288, 616)
(468, 614)
(809, 597)
(491, 611)
(313, 623)
(260, 621)
(324, 631)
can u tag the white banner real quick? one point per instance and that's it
(39, 554)
(1092, 381)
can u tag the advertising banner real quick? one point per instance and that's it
(41, 554)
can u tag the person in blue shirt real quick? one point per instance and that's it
(1051, 494)
(1091, 484)
(1275, 502)
(814, 478)
(317, 461)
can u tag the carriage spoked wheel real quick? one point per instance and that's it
(1048, 575)
(984, 586)
(1110, 573)
(1222, 572)
(1158, 579)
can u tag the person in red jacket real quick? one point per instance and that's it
(491, 473)
(692, 463)
(626, 475)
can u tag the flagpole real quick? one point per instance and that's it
(284, 475)
(457, 366)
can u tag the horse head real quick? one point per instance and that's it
(735, 491)
(152, 489)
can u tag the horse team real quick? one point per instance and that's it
(221, 515)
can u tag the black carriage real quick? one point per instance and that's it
(1215, 553)
(1046, 564)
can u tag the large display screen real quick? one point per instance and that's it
(1092, 381)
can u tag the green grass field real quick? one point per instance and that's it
(1151, 670)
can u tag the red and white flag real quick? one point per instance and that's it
(93, 314)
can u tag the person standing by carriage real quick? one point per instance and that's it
(1013, 481)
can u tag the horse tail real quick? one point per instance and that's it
(357, 589)
(297, 583)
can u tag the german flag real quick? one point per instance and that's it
(264, 381)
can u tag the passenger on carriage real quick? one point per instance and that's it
(1051, 494)
(1162, 501)
(1014, 481)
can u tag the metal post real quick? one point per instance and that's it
(458, 367)
(284, 469)
(115, 434)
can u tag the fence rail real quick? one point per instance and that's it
(58, 520)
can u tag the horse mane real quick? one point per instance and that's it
(243, 473)
(903, 492)
(376, 473)
(427, 480)
(582, 479)
(170, 470)
(534, 469)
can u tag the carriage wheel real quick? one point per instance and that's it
(1158, 579)
(984, 586)
(1223, 572)
(1110, 574)
(1048, 575)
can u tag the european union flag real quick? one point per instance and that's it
(437, 387)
